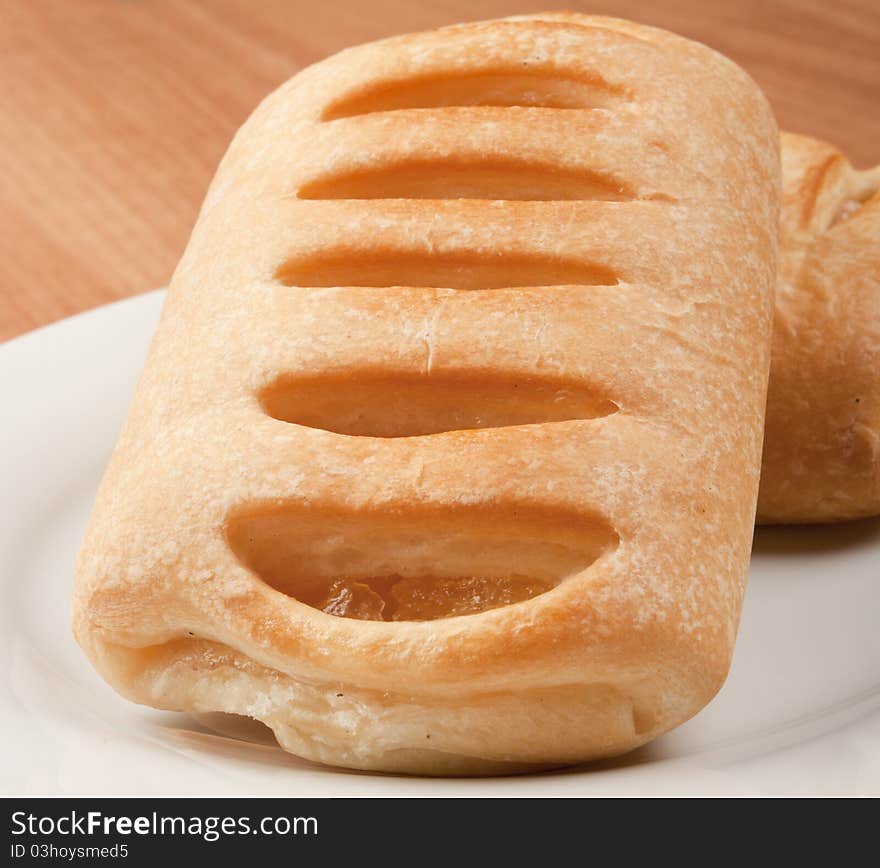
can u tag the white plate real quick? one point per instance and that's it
(800, 713)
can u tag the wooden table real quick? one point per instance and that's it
(114, 113)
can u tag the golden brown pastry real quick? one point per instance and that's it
(822, 442)
(445, 458)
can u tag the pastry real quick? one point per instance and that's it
(445, 457)
(822, 441)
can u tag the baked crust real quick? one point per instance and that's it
(822, 441)
(636, 318)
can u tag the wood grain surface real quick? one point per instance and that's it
(114, 113)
